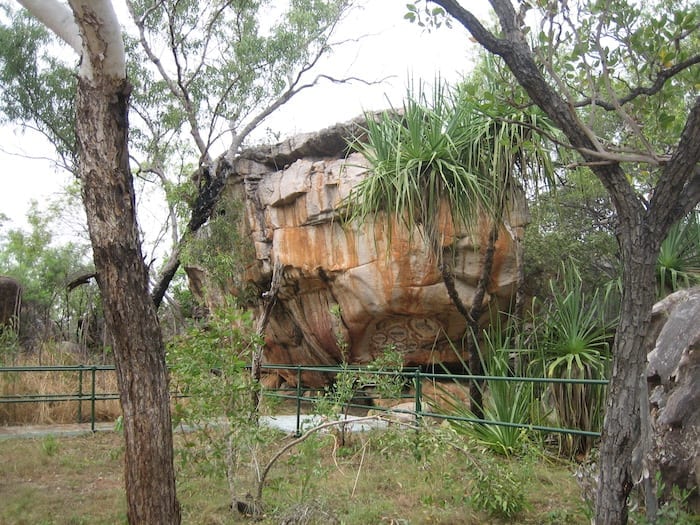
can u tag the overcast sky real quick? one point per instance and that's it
(395, 48)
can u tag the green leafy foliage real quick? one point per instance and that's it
(567, 338)
(497, 491)
(416, 161)
(674, 506)
(224, 250)
(208, 366)
(44, 268)
(9, 346)
(50, 446)
(228, 65)
(308, 462)
(651, 37)
(203, 77)
(381, 375)
(445, 151)
(505, 401)
(38, 88)
(575, 222)
(429, 17)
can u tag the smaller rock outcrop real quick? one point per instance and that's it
(673, 375)
(10, 302)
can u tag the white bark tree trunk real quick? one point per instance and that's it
(108, 195)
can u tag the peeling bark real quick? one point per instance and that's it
(139, 352)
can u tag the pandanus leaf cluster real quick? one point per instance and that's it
(445, 151)
(573, 339)
(678, 264)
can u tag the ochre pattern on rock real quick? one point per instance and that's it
(382, 277)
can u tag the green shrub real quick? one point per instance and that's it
(208, 366)
(496, 490)
(511, 401)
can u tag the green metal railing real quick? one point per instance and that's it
(82, 395)
(299, 394)
(417, 376)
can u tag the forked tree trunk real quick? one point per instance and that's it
(130, 315)
(621, 429)
(476, 387)
(472, 315)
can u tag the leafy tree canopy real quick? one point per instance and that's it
(33, 258)
(204, 78)
(38, 86)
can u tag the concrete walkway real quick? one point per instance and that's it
(285, 423)
(34, 431)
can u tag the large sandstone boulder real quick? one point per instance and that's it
(673, 374)
(10, 302)
(381, 278)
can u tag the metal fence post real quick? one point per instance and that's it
(80, 394)
(298, 432)
(92, 401)
(419, 394)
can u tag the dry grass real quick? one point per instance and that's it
(62, 480)
(50, 383)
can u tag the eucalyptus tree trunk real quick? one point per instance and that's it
(91, 29)
(139, 353)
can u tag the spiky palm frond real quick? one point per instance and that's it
(445, 152)
(678, 264)
(573, 343)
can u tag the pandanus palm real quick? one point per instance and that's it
(678, 265)
(449, 152)
(573, 340)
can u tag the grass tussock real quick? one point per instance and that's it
(48, 383)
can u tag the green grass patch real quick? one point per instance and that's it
(393, 476)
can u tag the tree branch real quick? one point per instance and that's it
(517, 55)
(661, 78)
(176, 88)
(678, 189)
(304, 437)
(58, 18)
(101, 35)
(624, 116)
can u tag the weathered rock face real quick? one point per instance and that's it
(673, 374)
(10, 301)
(382, 278)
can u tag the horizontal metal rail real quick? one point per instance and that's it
(297, 393)
(56, 368)
(50, 398)
(415, 374)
